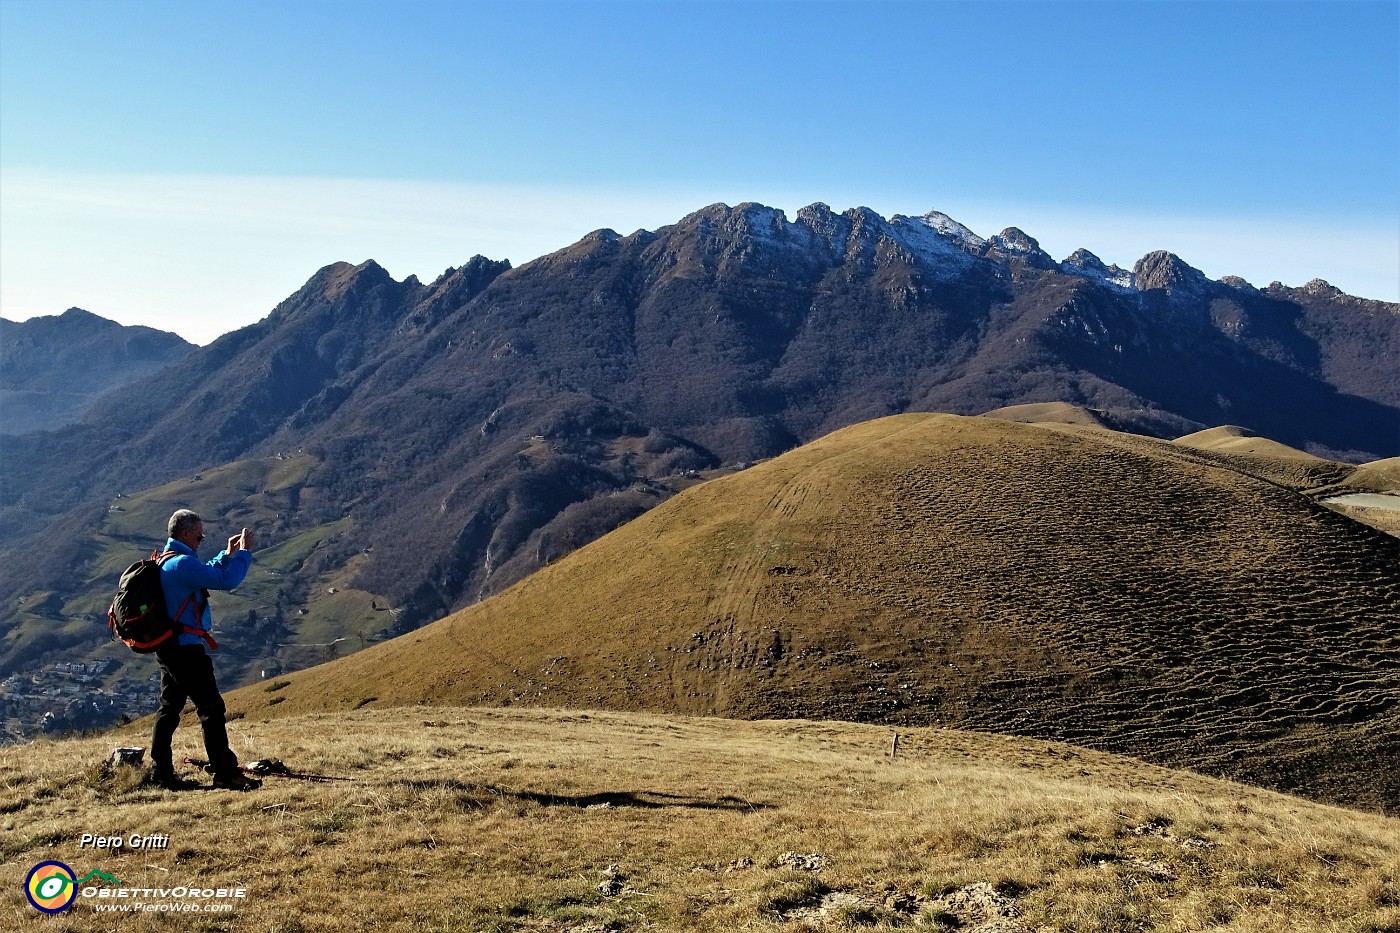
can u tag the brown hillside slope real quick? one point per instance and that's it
(1043, 580)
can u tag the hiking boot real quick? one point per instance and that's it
(236, 780)
(169, 780)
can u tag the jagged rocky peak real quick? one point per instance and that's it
(816, 214)
(1234, 281)
(748, 232)
(1016, 240)
(952, 229)
(866, 230)
(758, 221)
(944, 245)
(641, 237)
(719, 212)
(706, 218)
(865, 217)
(475, 275)
(1083, 259)
(1167, 271)
(828, 228)
(344, 286)
(1084, 263)
(335, 280)
(761, 213)
(821, 220)
(1322, 287)
(1015, 243)
(817, 227)
(867, 226)
(602, 235)
(79, 315)
(746, 220)
(451, 290)
(476, 268)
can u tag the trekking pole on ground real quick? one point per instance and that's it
(270, 767)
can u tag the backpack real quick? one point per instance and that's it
(138, 615)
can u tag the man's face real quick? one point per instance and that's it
(192, 536)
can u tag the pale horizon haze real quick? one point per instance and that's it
(189, 166)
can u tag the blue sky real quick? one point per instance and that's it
(188, 165)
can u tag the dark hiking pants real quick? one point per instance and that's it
(186, 672)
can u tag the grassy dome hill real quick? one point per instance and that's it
(1050, 413)
(1246, 451)
(1105, 589)
(1231, 438)
(1377, 476)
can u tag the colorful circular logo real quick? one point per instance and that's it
(51, 887)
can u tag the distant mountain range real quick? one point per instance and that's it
(466, 432)
(53, 368)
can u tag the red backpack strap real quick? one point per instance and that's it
(209, 639)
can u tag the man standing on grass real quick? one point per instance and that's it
(186, 670)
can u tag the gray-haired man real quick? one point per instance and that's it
(186, 670)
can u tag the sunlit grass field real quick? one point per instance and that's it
(548, 820)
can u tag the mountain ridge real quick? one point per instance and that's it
(510, 414)
(53, 368)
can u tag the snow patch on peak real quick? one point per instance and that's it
(761, 223)
(762, 213)
(1085, 264)
(1016, 240)
(938, 248)
(1234, 281)
(1321, 287)
(827, 229)
(952, 229)
(1015, 243)
(1083, 259)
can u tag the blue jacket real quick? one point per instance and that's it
(185, 575)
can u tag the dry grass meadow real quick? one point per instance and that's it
(475, 819)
